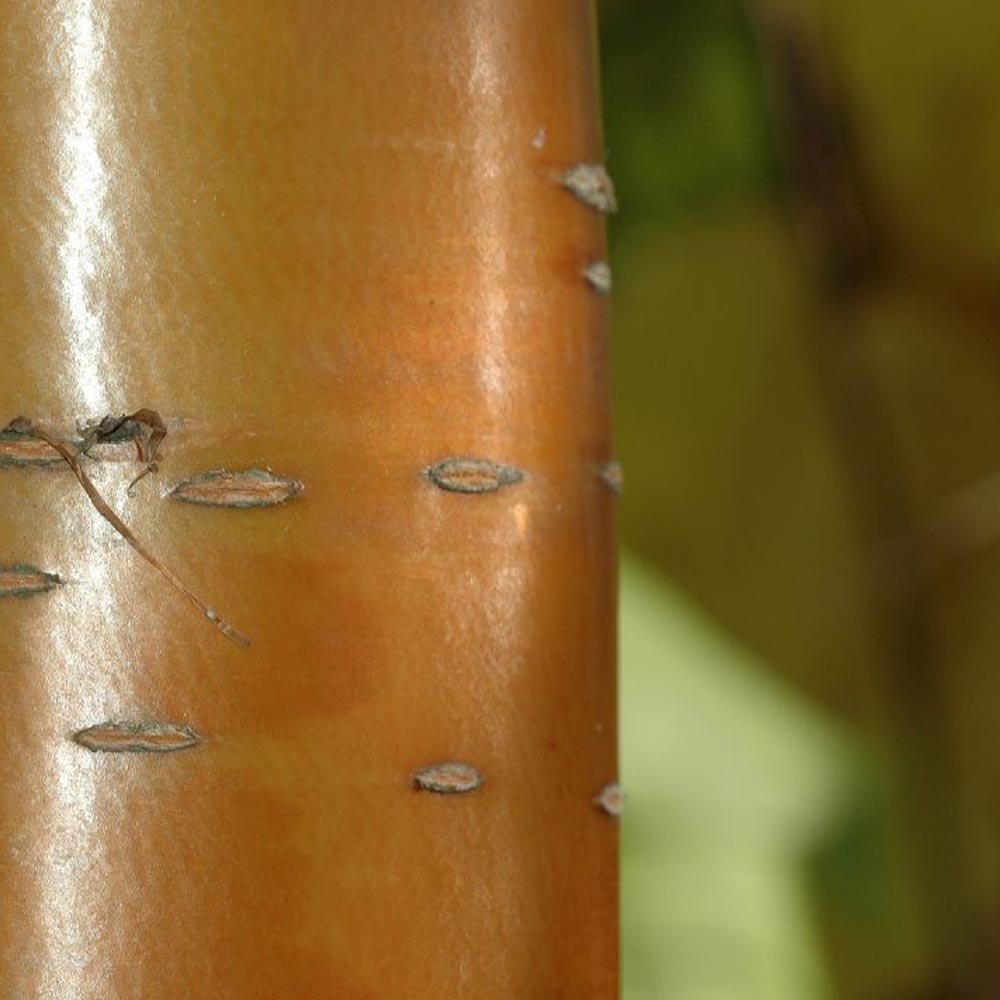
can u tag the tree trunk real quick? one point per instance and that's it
(341, 251)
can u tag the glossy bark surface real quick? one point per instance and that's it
(325, 240)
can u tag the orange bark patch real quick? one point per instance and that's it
(592, 184)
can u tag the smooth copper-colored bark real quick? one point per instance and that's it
(326, 241)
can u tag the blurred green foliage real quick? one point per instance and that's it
(685, 120)
(773, 702)
(731, 780)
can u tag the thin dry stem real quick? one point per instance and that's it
(72, 458)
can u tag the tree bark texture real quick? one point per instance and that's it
(331, 246)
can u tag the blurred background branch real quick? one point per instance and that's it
(807, 379)
(837, 228)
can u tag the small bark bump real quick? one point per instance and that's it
(243, 489)
(137, 737)
(448, 778)
(598, 276)
(613, 476)
(473, 475)
(26, 581)
(611, 799)
(592, 185)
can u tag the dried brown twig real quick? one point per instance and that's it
(148, 449)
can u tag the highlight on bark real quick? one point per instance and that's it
(137, 737)
(448, 778)
(244, 489)
(472, 475)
